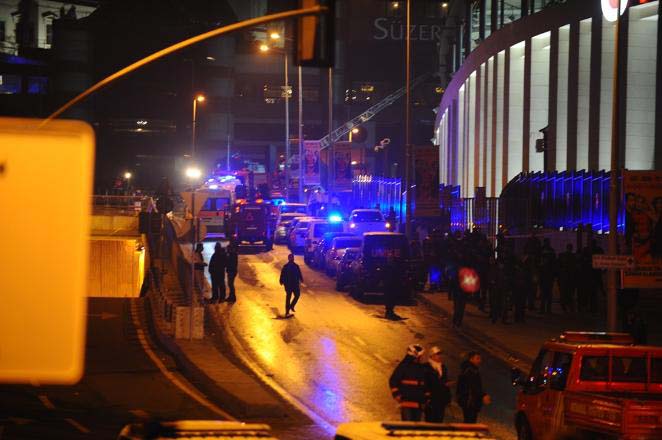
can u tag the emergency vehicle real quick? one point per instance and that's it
(220, 193)
(250, 223)
(591, 385)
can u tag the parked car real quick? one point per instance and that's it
(344, 267)
(337, 248)
(319, 256)
(591, 385)
(288, 208)
(297, 223)
(280, 232)
(366, 220)
(380, 254)
(317, 228)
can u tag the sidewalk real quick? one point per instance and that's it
(205, 363)
(518, 343)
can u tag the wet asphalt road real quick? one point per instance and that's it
(334, 357)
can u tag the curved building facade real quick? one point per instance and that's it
(552, 69)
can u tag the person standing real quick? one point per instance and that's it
(440, 393)
(567, 267)
(409, 385)
(199, 272)
(470, 395)
(232, 265)
(290, 279)
(217, 265)
(546, 278)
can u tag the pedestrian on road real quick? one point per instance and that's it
(409, 385)
(440, 392)
(199, 270)
(231, 267)
(217, 265)
(546, 278)
(290, 279)
(567, 268)
(470, 395)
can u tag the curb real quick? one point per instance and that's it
(204, 383)
(477, 336)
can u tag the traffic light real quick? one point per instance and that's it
(315, 36)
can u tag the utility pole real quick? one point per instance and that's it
(408, 158)
(300, 137)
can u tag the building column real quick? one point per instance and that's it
(481, 19)
(658, 93)
(526, 123)
(477, 144)
(595, 87)
(622, 85)
(494, 16)
(573, 92)
(454, 140)
(506, 118)
(486, 135)
(550, 152)
(525, 7)
(493, 134)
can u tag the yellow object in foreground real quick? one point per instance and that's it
(45, 187)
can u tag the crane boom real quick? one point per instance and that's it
(367, 115)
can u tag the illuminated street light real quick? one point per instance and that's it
(275, 36)
(200, 98)
(264, 48)
(193, 173)
(127, 175)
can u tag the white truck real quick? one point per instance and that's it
(366, 220)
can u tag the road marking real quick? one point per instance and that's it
(170, 376)
(360, 341)
(381, 358)
(77, 425)
(140, 413)
(47, 403)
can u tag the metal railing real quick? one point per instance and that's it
(122, 205)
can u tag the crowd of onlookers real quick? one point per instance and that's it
(512, 283)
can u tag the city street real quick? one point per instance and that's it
(334, 357)
(122, 384)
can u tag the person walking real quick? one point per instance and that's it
(290, 279)
(469, 393)
(217, 266)
(409, 385)
(232, 265)
(567, 267)
(440, 392)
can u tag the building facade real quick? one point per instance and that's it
(548, 65)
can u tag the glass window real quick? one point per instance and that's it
(348, 243)
(323, 228)
(49, 33)
(560, 370)
(2, 31)
(656, 370)
(303, 225)
(10, 84)
(37, 85)
(367, 216)
(594, 368)
(541, 369)
(628, 369)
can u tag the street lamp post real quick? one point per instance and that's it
(300, 137)
(198, 98)
(193, 174)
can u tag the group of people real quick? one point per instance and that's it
(422, 388)
(223, 263)
(510, 281)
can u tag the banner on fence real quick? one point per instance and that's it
(426, 166)
(643, 227)
(342, 166)
(311, 162)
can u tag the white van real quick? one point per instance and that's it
(317, 228)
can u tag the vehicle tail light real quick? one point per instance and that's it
(388, 225)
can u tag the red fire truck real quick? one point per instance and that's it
(591, 385)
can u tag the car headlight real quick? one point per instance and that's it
(352, 225)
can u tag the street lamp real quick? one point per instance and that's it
(193, 173)
(198, 98)
(127, 175)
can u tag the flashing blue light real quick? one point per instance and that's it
(335, 218)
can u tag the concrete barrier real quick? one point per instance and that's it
(117, 267)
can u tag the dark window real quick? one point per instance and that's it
(2, 31)
(322, 228)
(367, 216)
(49, 33)
(37, 85)
(594, 368)
(628, 369)
(560, 370)
(656, 370)
(10, 84)
(347, 243)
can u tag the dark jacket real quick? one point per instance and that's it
(409, 384)
(440, 393)
(217, 264)
(290, 276)
(232, 262)
(469, 391)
